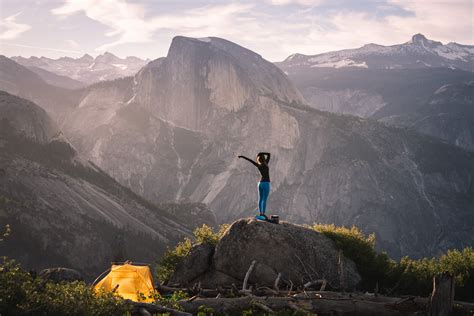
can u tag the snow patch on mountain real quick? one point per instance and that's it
(341, 63)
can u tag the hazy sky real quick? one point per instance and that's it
(272, 28)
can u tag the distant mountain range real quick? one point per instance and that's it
(85, 69)
(419, 52)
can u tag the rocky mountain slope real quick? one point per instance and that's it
(57, 80)
(397, 95)
(448, 114)
(419, 52)
(87, 69)
(64, 210)
(173, 132)
(25, 83)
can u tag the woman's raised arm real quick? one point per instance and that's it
(250, 160)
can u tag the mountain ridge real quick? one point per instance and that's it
(86, 69)
(419, 52)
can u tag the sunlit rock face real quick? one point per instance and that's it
(173, 133)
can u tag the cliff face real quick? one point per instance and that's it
(64, 210)
(448, 114)
(173, 132)
(401, 97)
(202, 80)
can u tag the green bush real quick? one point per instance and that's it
(373, 267)
(172, 257)
(416, 276)
(20, 293)
(407, 276)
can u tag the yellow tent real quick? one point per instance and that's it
(128, 281)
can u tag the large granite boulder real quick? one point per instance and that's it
(196, 264)
(300, 254)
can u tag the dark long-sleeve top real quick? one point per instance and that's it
(263, 168)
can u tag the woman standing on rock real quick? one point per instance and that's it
(264, 185)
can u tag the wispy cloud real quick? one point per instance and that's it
(128, 21)
(124, 19)
(10, 29)
(298, 2)
(69, 51)
(72, 44)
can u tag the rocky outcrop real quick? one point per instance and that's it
(300, 254)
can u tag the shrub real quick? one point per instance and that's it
(407, 276)
(373, 267)
(20, 293)
(416, 276)
(172, 257)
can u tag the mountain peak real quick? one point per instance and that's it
(86, 57)
(421, 40)
(107, 57)
(418, 38)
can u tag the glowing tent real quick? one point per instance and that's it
(128, 281)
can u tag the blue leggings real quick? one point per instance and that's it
(263, 192)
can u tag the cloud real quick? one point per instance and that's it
(124, 19)
(72, 44)
(52, 49)
(128, 20)
(10, 29)
(444, 20)
(297, 2)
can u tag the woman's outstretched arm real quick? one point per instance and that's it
(248, 159)
(267, 156)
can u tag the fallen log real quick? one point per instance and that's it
(142, 308)
(319, 302)
(319, 306)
